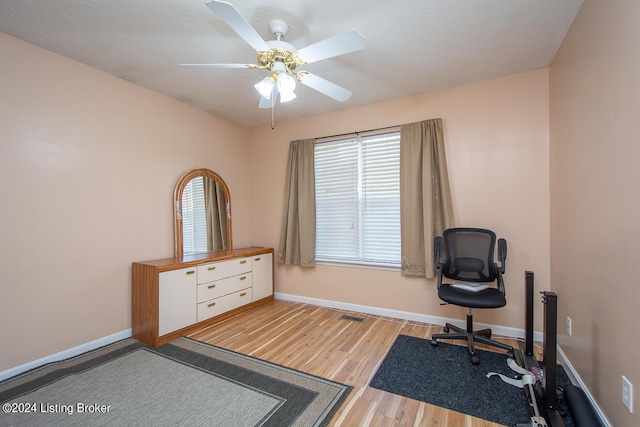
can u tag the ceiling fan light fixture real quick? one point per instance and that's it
(287, 96)
(265, 87)
(286, 86)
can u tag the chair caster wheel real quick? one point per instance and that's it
(475, 360)
(445, 329)
(434, 343)
(510, 354)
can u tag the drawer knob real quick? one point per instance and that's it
(243, 278)
(211, 286)
(211, 268)
(243, 294)
(211, 305)
(243, 261)
(190, 272)
(257, 259)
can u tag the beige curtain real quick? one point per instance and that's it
(425, 199)
(298, 235)
(215, 212)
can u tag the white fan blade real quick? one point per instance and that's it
(233, 19)
(268, 103)
(340, 44)
(326, 87)
(217, 65)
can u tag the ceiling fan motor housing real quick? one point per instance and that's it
(279, 51)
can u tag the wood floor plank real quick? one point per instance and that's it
(323, 342)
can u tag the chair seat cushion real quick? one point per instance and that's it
(486, 298)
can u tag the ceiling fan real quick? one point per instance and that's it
(282, 60)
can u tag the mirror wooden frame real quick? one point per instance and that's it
(177, 205)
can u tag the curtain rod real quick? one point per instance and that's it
(357, 133)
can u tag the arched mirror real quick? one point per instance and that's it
(202, 212)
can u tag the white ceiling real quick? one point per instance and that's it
(412, 46)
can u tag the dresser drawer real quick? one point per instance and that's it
(223, 269)
(222, 287)
(223, 304)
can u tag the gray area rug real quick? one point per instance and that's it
(185, 382)
(444, 376)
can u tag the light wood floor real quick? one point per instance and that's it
(317, 341)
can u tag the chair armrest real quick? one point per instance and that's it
(502, 254)
(437, 255)
(502, 257)
(437, 251)
(501, 287)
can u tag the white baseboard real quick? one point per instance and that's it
(405, 315)
(576, 380)
(65, 354)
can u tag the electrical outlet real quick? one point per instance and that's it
(627, 394)
(568, 325)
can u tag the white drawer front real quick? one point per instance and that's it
(223, 304)
(222, 287)
(223, 269)
(177, 300)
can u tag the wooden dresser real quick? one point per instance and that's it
(172, 297)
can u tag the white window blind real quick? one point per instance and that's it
(358, 200)
(194, 221)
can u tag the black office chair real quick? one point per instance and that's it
(469, 260)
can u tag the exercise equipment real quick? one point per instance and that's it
(538, 380)
(541, 392)
(581, 409)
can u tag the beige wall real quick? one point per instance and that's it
(88, 163)
(496, 136)
(595, 209)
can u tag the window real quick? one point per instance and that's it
(194, 221)
(358, 200)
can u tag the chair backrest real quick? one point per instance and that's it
(469, 255)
